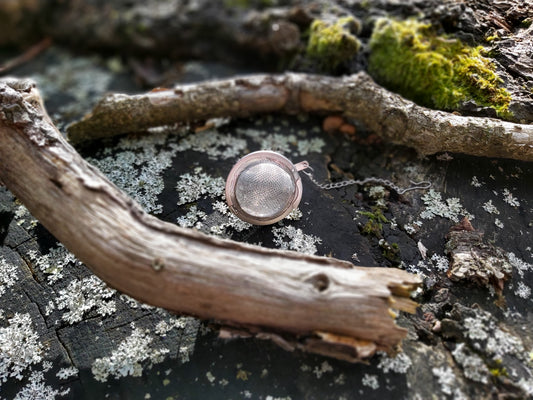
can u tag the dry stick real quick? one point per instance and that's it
(28, 55)
(318, 304)
(394, 118)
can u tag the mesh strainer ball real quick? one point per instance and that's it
(263, 187)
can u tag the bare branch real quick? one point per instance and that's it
(322, 304)
(394, 118)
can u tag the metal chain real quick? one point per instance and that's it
(336, 185)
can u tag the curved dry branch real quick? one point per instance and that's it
(322, 304)
(394, 118)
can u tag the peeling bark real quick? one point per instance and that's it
(326, 304)
(389, 115)
(474, 260)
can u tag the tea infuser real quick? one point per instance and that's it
(263, 187)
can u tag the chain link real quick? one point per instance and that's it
(336, 185)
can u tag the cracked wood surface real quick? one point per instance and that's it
(339, 309)
(389, 115)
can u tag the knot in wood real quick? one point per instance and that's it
(158, 264)
(320, 282)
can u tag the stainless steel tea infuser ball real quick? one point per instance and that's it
(263, 187)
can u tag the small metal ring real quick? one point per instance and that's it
(257, 157)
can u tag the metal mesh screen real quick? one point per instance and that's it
(264, 189)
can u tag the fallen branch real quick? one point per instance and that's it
(28, 55)
(323, 304)
(394, 118)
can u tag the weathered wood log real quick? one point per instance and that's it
(169, 29)
(330, 306)
(394, 118)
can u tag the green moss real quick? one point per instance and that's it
(391, 251)
(498, 370)
(434, 71)
(526, 23)
(332, 44)
(374, 225)
(492, 38)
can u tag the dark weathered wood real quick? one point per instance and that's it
(175, 29)
(389, 115)
(326, 299)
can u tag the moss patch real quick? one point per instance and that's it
(391, 251)
(374, 225)
(332, 44)
(432, 70)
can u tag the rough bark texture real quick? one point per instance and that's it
(474, 260)
(389, 115)
(170, 28)
(182, 270)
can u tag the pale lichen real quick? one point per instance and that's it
(228, 222)
(54, 262)
(286, 143)
(490, 208)
(526, 385)
(192, 187)
(476, 182)
(474, 367)
(20, 347)
(84, 295)
(435, 263)
(370, 381)
(448, 382)
(36, 389)
(519, 265)
(435, 206)
(66, 373)
(9, 275)
(440, 263)
(210, 377)
(136, 167)
(314, 145)
(128, 358)
(278, 142)
(522, 290)
(509, 198)
(166, 325)
(322, 369)
(291, 238)
(399, 364)
(215, 144)
(193, 218)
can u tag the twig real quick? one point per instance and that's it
(323, 304)
(394, 118)
(29, 54)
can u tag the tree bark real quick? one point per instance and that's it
(394, 118)
(327, 304)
